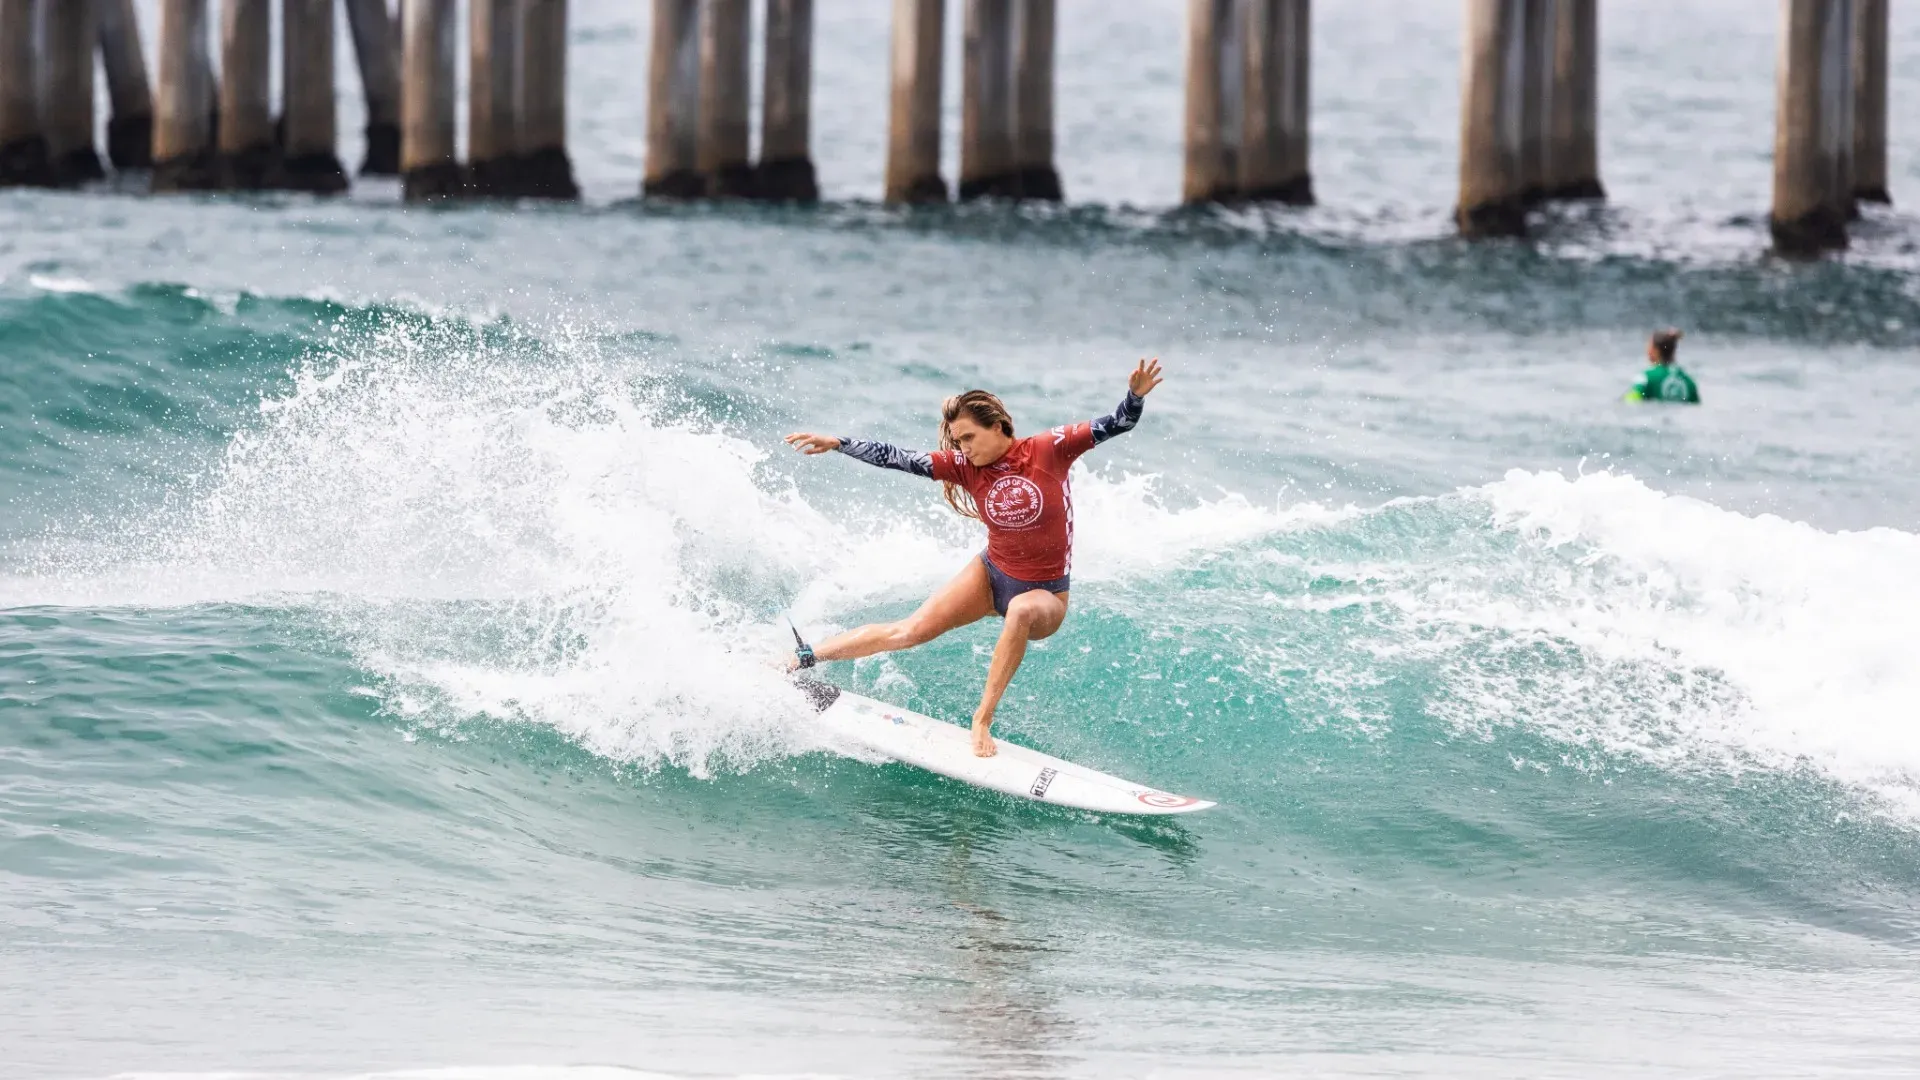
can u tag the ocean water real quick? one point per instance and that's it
(386, 597)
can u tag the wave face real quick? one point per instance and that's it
(408, 664)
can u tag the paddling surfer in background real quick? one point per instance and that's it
(1018, 488)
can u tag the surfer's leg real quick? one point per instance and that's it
(967, 598)
(1031, 616)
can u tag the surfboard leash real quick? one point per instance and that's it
(801, 649)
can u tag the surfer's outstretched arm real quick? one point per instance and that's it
(1122, 419)
(882, 455)
(889, 456)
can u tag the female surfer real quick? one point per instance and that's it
(1018, 489)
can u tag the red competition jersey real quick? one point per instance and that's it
(1025, 500)
(1024, 497)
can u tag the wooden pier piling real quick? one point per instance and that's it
(249, 152)
(1870, 101)
(1273, 144)
(183, 147)
(23, 138)
(1813, 128)
(723, 155)
(673, 102)
(1573, 151)
(546, 172)
(310, 137)
(1034, 176)
(429, 165)
(913, 121)
(68, 33)
(986, 103)
(786, 171)
(1492, 173)
(130, 124)
(493, 98)
(376, 48)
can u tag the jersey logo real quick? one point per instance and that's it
(1059, 434)
(1014, 502)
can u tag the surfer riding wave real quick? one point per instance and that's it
(1019, 489)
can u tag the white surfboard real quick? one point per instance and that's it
(947, 749)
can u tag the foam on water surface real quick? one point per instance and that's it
(506, 528)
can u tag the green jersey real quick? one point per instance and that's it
(1664, 382)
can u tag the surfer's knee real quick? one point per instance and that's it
(912, 631)
(1029, 611)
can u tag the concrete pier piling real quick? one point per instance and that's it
(786, 171)
(1573, 127)
(1528, 115)
(68, 31)
(429, 165)
(1870, 101)
(310, 139)
(723, 155)
(249, 151)
(1492, 172)
(1246, 111)
(1529, 111)
(913, 122)
(986, 104)
(1211, 169)
(1006, 115)
(183, 147)
(493, 98)
(130, 124)
(376, 48)
(546, 172)
(23, 137)
(1813, 128)
(699, 87)
(673, 102)
(1034, 176)
(1273, 143)
(1536, 90)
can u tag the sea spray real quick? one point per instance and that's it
(526, 530)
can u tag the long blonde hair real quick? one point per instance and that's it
(983, 409)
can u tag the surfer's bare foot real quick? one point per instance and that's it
(983, 737)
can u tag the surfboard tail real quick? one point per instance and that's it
(821, 694)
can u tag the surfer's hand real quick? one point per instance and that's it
(1142, 381)
(809, 443)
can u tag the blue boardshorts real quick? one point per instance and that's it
(1006, 588)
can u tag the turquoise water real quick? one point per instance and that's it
(384, 596)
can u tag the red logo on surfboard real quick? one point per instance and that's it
(1160, 800)
(1014, 502)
